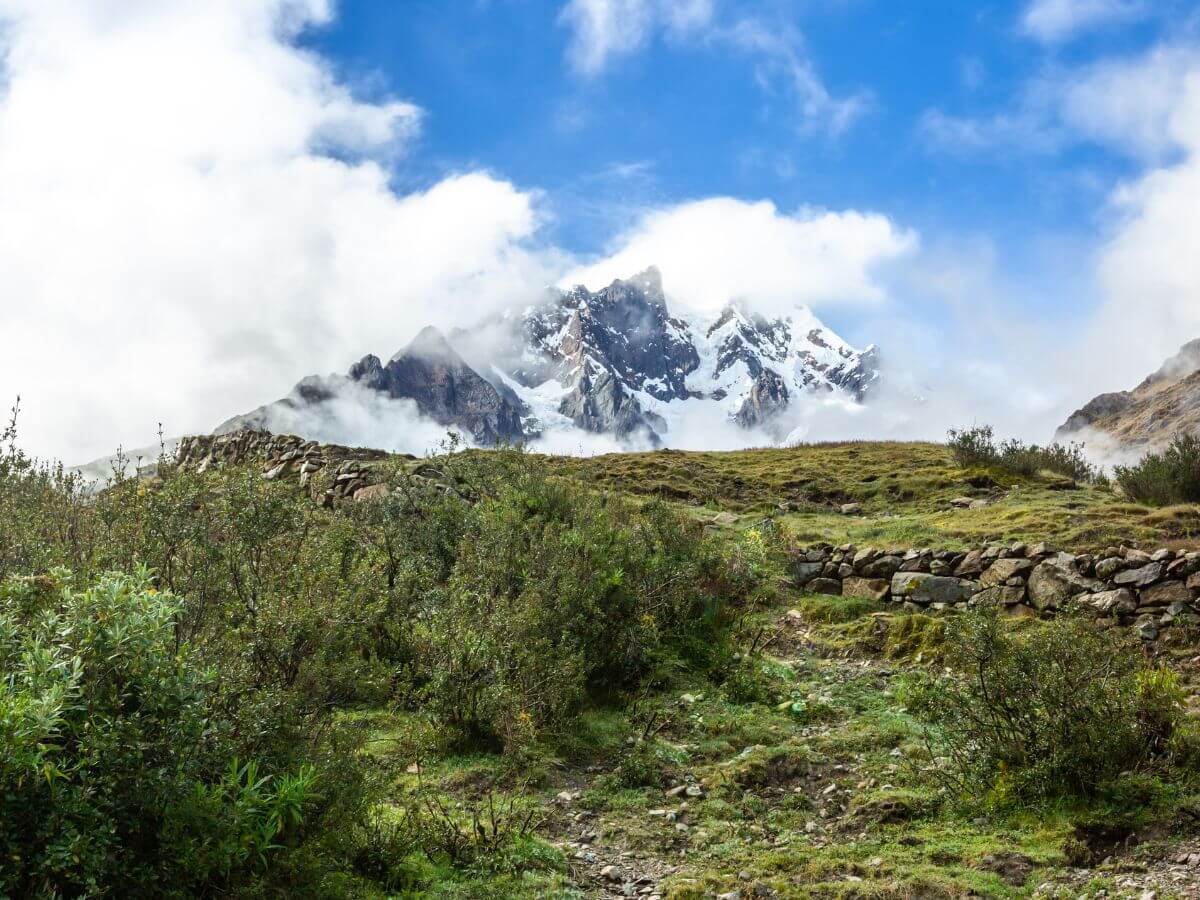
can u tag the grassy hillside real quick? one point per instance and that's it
(904, 490)
(543, 677)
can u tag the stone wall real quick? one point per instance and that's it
(1150, 591)
(347, 472)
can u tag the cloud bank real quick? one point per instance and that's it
(196, 212)
(721, 249)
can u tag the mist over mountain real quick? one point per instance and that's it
(1127, 423)
(616, 362)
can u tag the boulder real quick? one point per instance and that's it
(371, 492)
(1003, 569)
(1107, 568)
(864, 556)
(850, 509)
(1054, 582)
(1143, 576)
(884, 567)
(927, 589)
(829, 586)
(1109, 603)
(1183, 568)
(1001, 595)
(866, 588)
(917, 564)
(804, 572)
(1165, 593)
(972, 565)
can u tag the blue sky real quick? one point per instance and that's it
(690, 116)
(1001, 195)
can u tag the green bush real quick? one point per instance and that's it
(558, 595)
(110, 777)
(976, 447)
(1165, 478)
(488, 596)
(1057, 712)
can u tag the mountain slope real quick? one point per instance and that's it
(1164, 404)
(615, 361)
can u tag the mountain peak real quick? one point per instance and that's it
(615, 361)
(649, 281)
(430, 345)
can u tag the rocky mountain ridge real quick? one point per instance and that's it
(615, 361)
(1166, 403)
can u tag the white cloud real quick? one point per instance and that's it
(721, 249)
(605, 30)
(782, 61)
(1149, 266)
(195, 213)
(1135, 105)
(1052, 21)
(1144, 105)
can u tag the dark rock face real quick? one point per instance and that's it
(624, 328)
(768, 397)
(445, 389)
(428, 372)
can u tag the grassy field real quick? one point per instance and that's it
(815, 782)
(822, 787)
(434, 657)
(904, 490)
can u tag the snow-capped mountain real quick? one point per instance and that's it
(614, 361)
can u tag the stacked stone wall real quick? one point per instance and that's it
(1150, 591)
(343, 472)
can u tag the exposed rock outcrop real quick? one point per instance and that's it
(1164, 404)
(428, 372)
(332, 472)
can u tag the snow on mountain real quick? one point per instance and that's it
(616, 361)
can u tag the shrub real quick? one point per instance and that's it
(110, 778)
(1165, 478)
(1056, 712)
(556, 595)
(976, 446)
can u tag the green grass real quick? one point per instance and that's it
(831, 798)
(904, 489)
